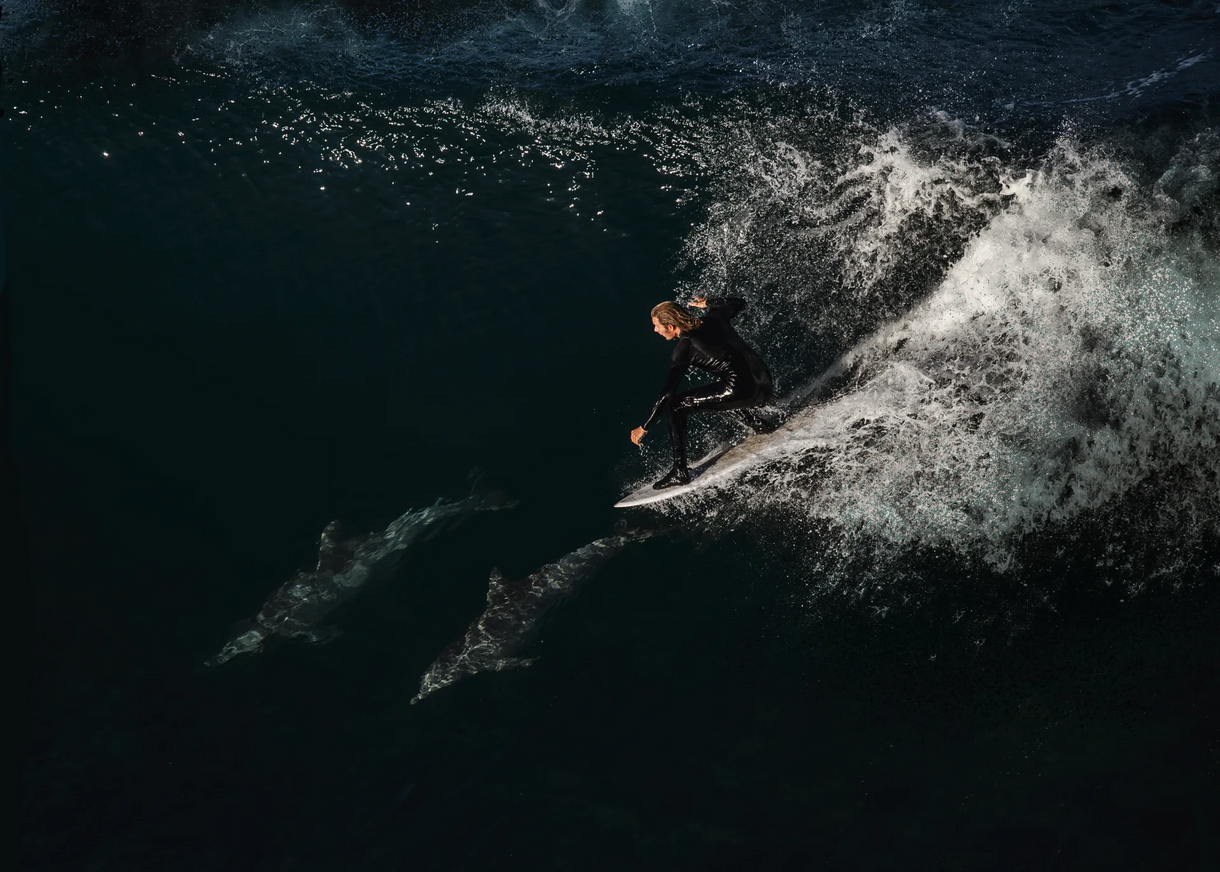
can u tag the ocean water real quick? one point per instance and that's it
(272, 264)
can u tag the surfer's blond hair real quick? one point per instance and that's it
(670, 314)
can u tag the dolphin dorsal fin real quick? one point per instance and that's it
(331, 548)
(497, 586)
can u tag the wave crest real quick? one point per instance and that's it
(1061, 380)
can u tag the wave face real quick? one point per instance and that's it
(1007, 270)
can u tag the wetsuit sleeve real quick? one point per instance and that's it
(678, 365)
(727, 308)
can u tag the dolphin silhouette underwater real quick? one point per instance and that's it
(515, 611)
(345, 566)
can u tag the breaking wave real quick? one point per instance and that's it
(1001, 343)
(1060, 379)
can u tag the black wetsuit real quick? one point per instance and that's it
(743, 380)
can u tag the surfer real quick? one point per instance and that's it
(711, 344)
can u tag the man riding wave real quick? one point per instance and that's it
(710, 343)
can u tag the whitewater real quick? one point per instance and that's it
(1063, 370)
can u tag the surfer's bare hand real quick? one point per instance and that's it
(637, 434)
(699, 302)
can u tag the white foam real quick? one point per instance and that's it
(1069, 357)
(831, 233)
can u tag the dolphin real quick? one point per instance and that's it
(345, 565)
(515, 611)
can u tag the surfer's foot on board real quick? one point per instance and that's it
(678, 475)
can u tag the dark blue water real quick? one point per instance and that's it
(273, 264)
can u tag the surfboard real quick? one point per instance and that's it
(717, 467)
(730, 459)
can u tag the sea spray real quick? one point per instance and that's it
(1067, 362)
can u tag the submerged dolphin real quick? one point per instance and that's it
(514, 611)
(344, 567)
